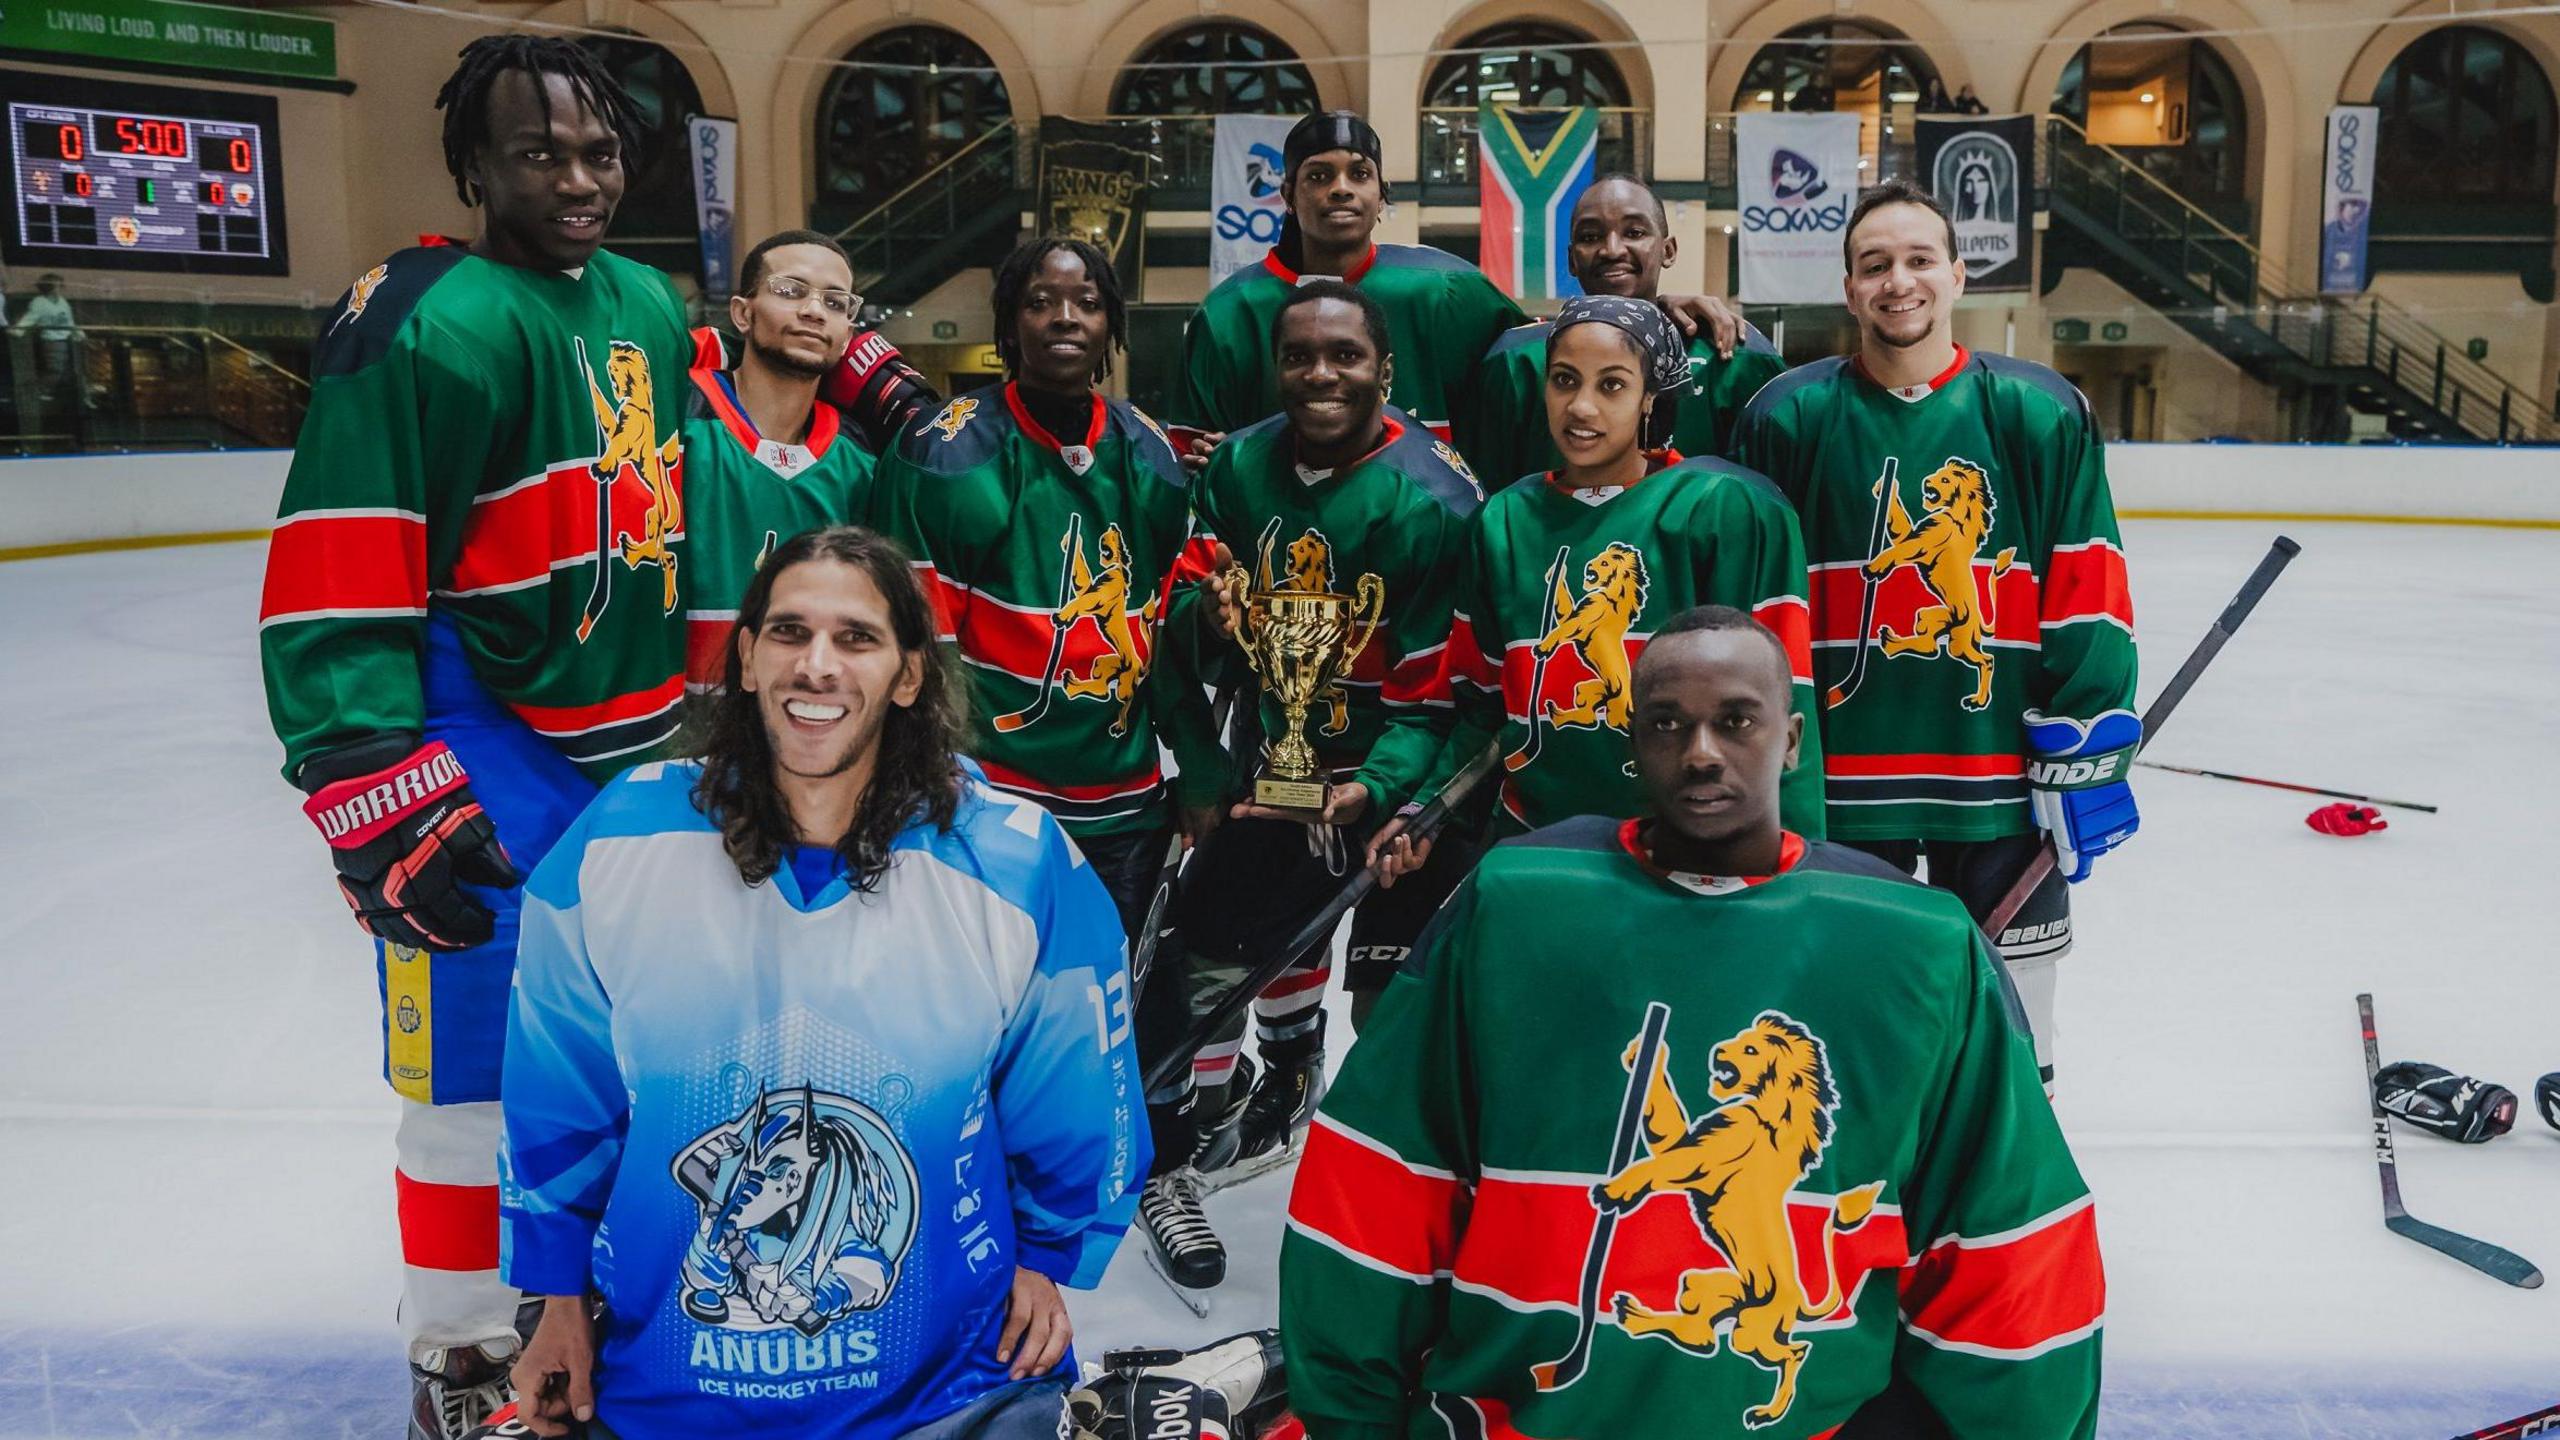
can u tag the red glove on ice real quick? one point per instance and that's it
(2345, 819)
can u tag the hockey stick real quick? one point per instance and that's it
(2252, 590)
(1557, 1374)
(1527, 754)
(2287, 785)
(1142, 958)
(1039, 706)
(600, 591)
(1425, 823)
(2480, 1255)
(1839, 694)
(2545, 1421)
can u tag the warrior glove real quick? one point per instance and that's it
(2343, 819)
(2435, 1099)
(406, 834)
(2079, 785)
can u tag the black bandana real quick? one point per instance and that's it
(1666, 355)
(1329, 130)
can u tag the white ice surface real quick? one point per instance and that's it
(195, 1150)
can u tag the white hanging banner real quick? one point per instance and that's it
(1798, 177)
(714, 146)
(1246, 204)
(2346, 198)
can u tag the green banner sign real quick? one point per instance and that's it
(173, 33)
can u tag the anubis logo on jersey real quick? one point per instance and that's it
(808, 1204)
(1594, 628)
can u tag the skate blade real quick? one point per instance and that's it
(1195, 1301)
(1229, 1176)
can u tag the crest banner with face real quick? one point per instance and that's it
(1093, 187)
(1248, 191)
(1798, 177)
(1977, 166)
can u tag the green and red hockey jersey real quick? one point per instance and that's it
(1503, 424)
(1441, 315)
(1566, 586)
(1966, 568)
(1796, 1116)
(1051, 561)
(500, 445)
(1401, 513)
(745, 493)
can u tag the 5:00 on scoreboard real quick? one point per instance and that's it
(149, 179)
(225, 155)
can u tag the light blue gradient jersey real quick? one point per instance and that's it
(799, 1142)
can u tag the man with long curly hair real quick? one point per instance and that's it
(867, 1013)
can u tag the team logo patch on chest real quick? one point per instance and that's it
(954, 418)
(1097, 592)
(1944, 552)
(1592, 629)
(639, 502)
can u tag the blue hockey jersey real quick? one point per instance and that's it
(798, 1142)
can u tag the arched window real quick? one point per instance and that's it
(1220, 67)
(1527, 62)
(2466, 119)
(657, 222)
(903, 102)
(1842, 65)
(2170, 104)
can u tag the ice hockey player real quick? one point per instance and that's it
(765, 458)
(1773, 1070)
(819, 1070)
(1971, 619)
(471, 619)
(1338, 485)
(1441, 311)
(1567, 568)
(1620, 245)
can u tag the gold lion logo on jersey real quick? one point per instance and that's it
(639, 522)
(1450, 457)
(360, 294)
(1956, 508)
(1594, 625)
(1775, 1105)
(1098, 591)
(1306, 564)
(954, 418)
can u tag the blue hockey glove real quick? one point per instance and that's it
(2078, 785)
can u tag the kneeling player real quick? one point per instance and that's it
(1768, 1068)
(819, 1065)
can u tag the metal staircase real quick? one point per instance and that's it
(961, 213)
(2329, 355)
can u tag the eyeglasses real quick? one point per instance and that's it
(792, 292)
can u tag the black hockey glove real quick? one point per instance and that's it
(405, 832)
(2546, 1098)
(2435, 1099)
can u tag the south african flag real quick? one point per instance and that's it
(1536, 165)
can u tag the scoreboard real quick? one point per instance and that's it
(142, 177)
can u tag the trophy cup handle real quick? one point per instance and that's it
(1370, 613)
(1239, 582)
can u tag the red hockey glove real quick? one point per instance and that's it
(405, 836)
(2345, 819)
(877, 389)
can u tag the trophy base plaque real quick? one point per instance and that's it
(1306, 798)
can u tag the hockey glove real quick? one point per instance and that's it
(406, 834)
(2078, 785)
(2345, 819)
(2546, 1098)
(878, 391)
(2435, 1099)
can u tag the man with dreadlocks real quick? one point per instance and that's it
(819, 1070)
(471, 619)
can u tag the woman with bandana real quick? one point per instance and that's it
(1573, 569)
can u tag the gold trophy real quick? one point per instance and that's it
(1300, 642)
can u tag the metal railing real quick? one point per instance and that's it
(1448, 151)
(1888, 145)
(138, 387)
(937, 204)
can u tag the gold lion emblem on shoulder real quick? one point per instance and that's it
(1774, 1104)
(954, 418)
(1450, 457)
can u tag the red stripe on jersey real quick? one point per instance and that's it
(448, 1227)
(950, 602)
(1525, 1237)
(1467, 660)
(1566, 673)
(2009, 602)
(2038, 1283)
(345, 561)
(1417, 679)
(1971, 767)
(1356, 1195)
(576, 719)
(1791, 620)
(2087, 582)
(1012, 779)
(1017, 642)
(518, 536)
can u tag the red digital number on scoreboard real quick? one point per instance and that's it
(137, 136)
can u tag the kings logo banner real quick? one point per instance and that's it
(2346, 198)
(1977, 167)
(1247, 201)
(1093, 187)
(1536, 164)
(1798, 177)
(713, 144)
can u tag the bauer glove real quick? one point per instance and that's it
(2078, 785)
(406, 834)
